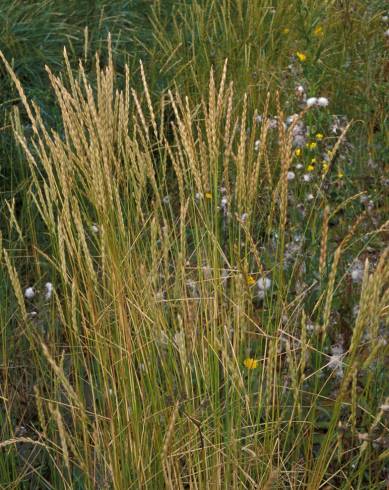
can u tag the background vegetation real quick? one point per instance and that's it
(194, 265)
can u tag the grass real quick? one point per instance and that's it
(209, 303)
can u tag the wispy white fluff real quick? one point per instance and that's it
(291, 175)
(322, 102)
(29, 293)
(356, 271)
(263, 283)
(48, 290)
(312, 101)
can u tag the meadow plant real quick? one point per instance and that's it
(172, 347)
(194, 267)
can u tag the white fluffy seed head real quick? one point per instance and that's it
(357, 271)
(322, 102)
(312, 101)
(263, 283)
(291, 175)
(48, 290)
(29, 293)
(357, 275)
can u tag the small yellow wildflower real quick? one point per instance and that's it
(250, 280)
(313, 160)
(286, 30)
(325, 167)
(312, 145)
(301, 56)
(340, 174)
(318, 32)
(208, 195)
(310, 168)
(297, 152)
(319, 136)
(251, 363)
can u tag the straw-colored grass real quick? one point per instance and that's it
(194, 271)
(139, 379)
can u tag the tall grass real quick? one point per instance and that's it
(33, 34)
(194, 264)
(181, 348)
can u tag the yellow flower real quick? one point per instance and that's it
(286, 30)
(208, 195)
(310, 168)
(301, 56)
(250, 280)
(297, 152)
(340, 174)
(313, 160)
(311, 145)
(251, 363)
(319, 136)
(325, 167)
(318, 32)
